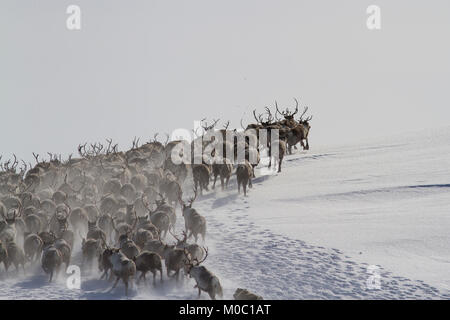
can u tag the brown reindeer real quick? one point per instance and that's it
(244, 174)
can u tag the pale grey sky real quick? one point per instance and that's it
(139, 67)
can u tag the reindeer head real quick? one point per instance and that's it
(189, 263)
(62, 214)
(191, 200)
(180, 242)
(287, 114)
(92, 224)
(305, 122)
(142, 220)
(207, 127)
(160, 202)
(123, 238)
(12, 215)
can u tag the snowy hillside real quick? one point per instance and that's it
(311, 231)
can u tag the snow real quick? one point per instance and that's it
(312, 231)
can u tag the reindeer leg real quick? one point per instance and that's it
(115, 283)
(214, 184)
(111, 275)
(126, 286)
(145, 279)
(139, 279)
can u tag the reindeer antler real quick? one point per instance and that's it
(36, 157)
(135, 143)
(207, 127)
(204, 258)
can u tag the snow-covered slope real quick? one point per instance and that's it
(312, 231)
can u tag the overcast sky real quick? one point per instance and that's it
(140, 67)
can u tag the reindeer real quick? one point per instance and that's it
(33, 222)
(94, 232)
(65, 250)
(298, 130)
(32, 246)
(244, 174)
(128, 191)
(144, 223)
(299, 133)
(122, 267)
(244, 294)
(106, 224)
(91, 249)
(205, 279)
(124, 228)
(92, 212)
(160, 219)
(128, 247)
(162, 206)
(281, 152)
(155, 245)
(16, 256)
(8, 232)
(51, 260)
(194, 249)
(223, 169)
(288, 115)
(148, 261)
(195, 224)
(104, 264)
(171, 189)
(78, 218)
(62, 231)
(201, 174)
(174, 260)
(142, 236)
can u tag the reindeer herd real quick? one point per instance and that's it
(120, 207)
